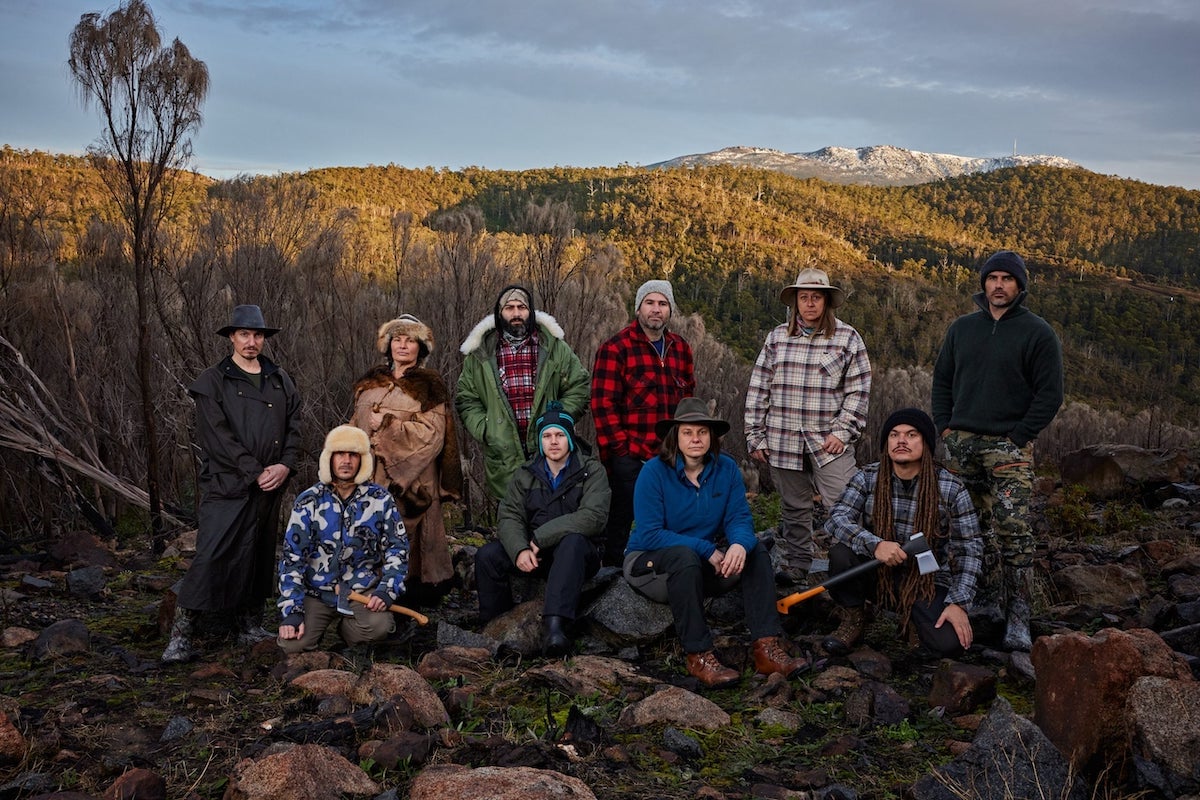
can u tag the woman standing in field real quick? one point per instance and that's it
(404, 408)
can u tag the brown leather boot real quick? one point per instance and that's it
(705, 668)
(848, 633)
(769, 657)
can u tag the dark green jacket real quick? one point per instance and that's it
(484, 408)
(530, 509)
(998, 377)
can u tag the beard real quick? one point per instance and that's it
(517, 329)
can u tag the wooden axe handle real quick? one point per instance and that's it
(408, 612)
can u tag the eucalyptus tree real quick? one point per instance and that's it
(149, 98)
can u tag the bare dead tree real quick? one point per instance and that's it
(548, 228)
(149, 98)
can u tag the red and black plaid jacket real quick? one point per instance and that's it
(632, 388)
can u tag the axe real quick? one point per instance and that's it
(917, 545)
(408, 612)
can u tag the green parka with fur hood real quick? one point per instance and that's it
(484, 408)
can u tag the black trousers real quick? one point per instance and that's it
(855, 592)
(691, 578)
(623, 473)
(566, 567)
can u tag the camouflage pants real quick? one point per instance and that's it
(999, 476)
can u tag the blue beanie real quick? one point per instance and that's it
(1005, 261)
(555, 417)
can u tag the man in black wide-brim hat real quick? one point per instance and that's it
(248, 432)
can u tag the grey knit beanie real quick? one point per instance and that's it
(662, 287)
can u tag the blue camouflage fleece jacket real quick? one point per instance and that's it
(359, 542)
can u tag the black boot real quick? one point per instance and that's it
(555, 641)
(179, 648)
(250, 629)
(1017, 581)
(849, 631)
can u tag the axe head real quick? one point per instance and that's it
(918, 546)
(343, 602)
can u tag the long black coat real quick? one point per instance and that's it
(240, 430)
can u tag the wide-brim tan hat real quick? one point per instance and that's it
(812, 278)
(692, 410)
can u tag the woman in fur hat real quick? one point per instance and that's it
(404, 408)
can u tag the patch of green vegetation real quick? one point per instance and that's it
(901, 732)
(1074, 519)
(764, 508)
(132, 526)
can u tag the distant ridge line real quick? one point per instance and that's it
(879, 165)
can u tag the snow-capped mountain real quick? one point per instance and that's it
(879, 165)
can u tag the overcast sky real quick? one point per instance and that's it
(1112, 85)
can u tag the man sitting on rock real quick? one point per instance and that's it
(882, 507)
(345, 535)
(550, 518)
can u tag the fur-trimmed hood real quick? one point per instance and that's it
(346, 439)
(488, 324)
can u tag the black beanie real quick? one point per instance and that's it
(909, 416)
(1005, 261)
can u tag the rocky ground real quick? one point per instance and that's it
(442, 710)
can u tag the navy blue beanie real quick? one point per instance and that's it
(556, 417)
(1005, 261)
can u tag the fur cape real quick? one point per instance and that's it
(427, 387)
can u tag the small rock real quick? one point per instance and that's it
(137, 784)
(303, 772)
(15, 636)
(455, 661)
(63, 638)
(779, 718)
(326, 682)
(86, 582)
(384, 681)
(496, 783)
(12, 743)
(679, 742)
(177, 727)
(961, 687)
(674, 705)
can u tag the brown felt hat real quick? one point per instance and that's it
(695, 411)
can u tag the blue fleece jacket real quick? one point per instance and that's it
(669, 510)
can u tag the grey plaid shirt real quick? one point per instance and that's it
(960, 554)
(804, 388)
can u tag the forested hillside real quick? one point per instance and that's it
(333, 252)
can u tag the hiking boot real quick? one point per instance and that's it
(705, 668)
(769, 657)
(179, 647)
(555, 641)
(250, 629)
(849, 632)
(1016, 588)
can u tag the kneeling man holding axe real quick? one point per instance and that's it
(879, 520)
(345, 552)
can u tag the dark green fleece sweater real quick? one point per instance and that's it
(998, 377)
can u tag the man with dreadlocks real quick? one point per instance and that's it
(886, 503)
